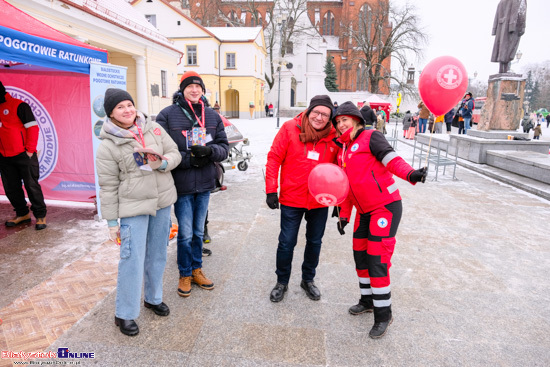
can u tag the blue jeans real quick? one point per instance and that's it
(316, 220)
(191, 213)
(422, 125)
(144, 240)
(467, 124)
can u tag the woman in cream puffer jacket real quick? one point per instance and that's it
(140, 193)
(126, 190)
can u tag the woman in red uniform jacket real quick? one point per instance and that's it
(370, 163)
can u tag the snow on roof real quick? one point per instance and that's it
(125, 15)
(235, 33)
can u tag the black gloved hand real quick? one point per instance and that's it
(335, 212)
(342, 222)
(198, 162)
(272, 200)
(201, 151)
(418, 175)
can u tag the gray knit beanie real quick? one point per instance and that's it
(114, 96)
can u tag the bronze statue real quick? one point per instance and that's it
(508, 27)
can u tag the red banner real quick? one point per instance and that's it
(61, 105)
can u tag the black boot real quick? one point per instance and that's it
(382, 320)
(364, 305)
(311, 290)
(127, 327)
(278, 292)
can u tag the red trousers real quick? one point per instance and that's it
(373, 246)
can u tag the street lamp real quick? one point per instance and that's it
(281, 19)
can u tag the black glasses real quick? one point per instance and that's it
(316, 113)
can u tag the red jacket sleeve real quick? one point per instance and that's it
(345, 209)
(275, 158)
(26, 116)
(400, 168)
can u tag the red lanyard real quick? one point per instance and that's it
(140, 139)
(343, 155)
(201, 122)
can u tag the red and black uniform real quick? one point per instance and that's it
(370, 163)
(19, 135)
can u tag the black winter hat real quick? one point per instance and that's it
(320, 100)
(114, 96)
(191, 77)
(348, 109)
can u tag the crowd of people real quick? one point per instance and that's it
(144, 168)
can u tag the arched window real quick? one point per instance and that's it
(232, 16)
(365, 20)
(328, 24)
(256, 20)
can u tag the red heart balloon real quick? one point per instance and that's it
(442, 84)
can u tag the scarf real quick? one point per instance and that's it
(112, 128)
(309, 134)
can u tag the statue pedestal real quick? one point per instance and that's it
(504, 105)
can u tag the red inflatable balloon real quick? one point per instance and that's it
(442, 84)
(328, 184)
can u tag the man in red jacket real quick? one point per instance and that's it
(300, 145)
(19, 161)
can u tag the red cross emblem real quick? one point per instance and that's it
(449, 77)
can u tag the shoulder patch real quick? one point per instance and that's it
(156, 131)
(354, 147)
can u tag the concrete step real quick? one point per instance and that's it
(526, 163)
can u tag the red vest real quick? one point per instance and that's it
(14, 137)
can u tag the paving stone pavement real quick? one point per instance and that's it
(470, 286)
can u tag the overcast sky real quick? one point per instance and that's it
(462, 28)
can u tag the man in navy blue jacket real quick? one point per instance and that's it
(199, 133)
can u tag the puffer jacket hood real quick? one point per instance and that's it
(348, 109)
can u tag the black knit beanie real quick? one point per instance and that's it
(114, 96)
(191, 77)
(348, 109)
(321, 100)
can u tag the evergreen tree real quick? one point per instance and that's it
(331, 76)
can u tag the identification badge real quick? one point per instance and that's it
(196, 136)
(208, 138)
(313, 155)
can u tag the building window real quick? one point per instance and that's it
(365, 20)
(328, 24)
(230, 61)
(290, 48)
(164, 84)
(151, 18)
(256, 20)
(232, 17)
(191, 55)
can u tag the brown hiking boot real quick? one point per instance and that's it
(202, 281)
(19, 220)
(40, 223)
(184, 286)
